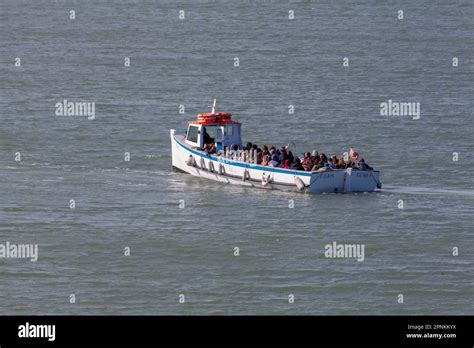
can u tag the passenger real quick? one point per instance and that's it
(265, 150)
(325, 167)
(316, 161)
(207, 137)
(317, 166)
(265, 160)
(297, 164)
(354, 155)
(274, 161)
(291, 157)
(307, 162)
(340, 163)
(283, 156)
(209, 149)
(277, 153)
(286, 164)
(363, 166)
(212, 149)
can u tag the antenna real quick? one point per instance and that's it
(213, 107)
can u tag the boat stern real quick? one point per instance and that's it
(345, 180)
(330, 181)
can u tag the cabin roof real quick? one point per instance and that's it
(213, 119)
(212, 123)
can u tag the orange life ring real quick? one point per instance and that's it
(207, 118)
(223, 116)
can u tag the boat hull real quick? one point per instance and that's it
(189, 160)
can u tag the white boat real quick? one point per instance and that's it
(240, 167)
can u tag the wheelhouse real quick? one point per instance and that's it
(214, 128)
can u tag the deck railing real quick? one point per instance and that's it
(244, 156)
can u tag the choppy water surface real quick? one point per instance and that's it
(190, 251)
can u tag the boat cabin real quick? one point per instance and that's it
(214, 128)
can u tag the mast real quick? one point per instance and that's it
(214, 107)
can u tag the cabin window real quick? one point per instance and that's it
(193, 134)
(209, 134)
(229, 130)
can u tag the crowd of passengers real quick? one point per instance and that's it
(284, 158)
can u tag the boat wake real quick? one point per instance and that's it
(426, 191)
